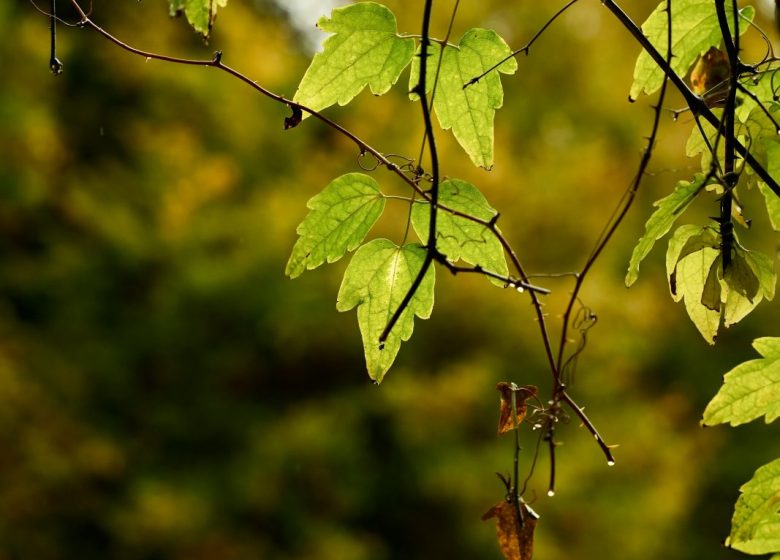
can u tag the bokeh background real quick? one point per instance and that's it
(166, 393)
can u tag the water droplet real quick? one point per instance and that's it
(520, 289)
(148, 58)
(551, 493)
(610, 463)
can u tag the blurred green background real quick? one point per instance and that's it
(166, 393)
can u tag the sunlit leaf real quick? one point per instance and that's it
(341, 216)
(685, 240)
(515, 538)
(755, 526)
(460, 238)
(200, 13)
(750, 390)
(365, 50)
(711, 292)
(763, 87)
(692, 273)
(469, 111)
(695, 29)
(773, 167)
(763, 268)
(661, 221)
(699, 145)
(376, 281)
(506, 419)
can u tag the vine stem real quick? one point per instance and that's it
(559, 390)
(730, 177)
(431, 252)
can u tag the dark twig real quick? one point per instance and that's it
(559, 392)
(726, 226)
(425, 44)
(508, 281)
(54, 63)
(526, 49)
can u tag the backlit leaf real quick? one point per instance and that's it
(692, 273)
(515, 538)
(469, 111)
(773, 167)
(508, 421)
(750, 390)
(376, 281)
(460, 238)
(695, 29)
(755, 526)
(661, 221)
(340, 218)
(685, 240)
(365, 50)
(200, 13)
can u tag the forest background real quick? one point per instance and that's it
(165, 391)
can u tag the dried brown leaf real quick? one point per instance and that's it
(522, 394)
(516, 539)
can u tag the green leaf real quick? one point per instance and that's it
(750, 390)
(661, 221)
(365, 50)
(685, 240)
(695, 29)
(468, 112)
(762, 88)
(764, 269)
(376, 281)
(341, 216)
(692, 273)
(457, 237)
(697, 144)
(773, 167)
(712, 290)
(200, 13)
(755, 526)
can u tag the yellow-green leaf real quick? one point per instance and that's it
(376, 281)
(365, 50)
(460, 238)
(200, 13)
(692, 273)
(661, 221)
(469, 111)
(750, 390)
(341, 216)
(755, 526)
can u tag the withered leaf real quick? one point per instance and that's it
(516, 539)
(709, 77)
(521, 395)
